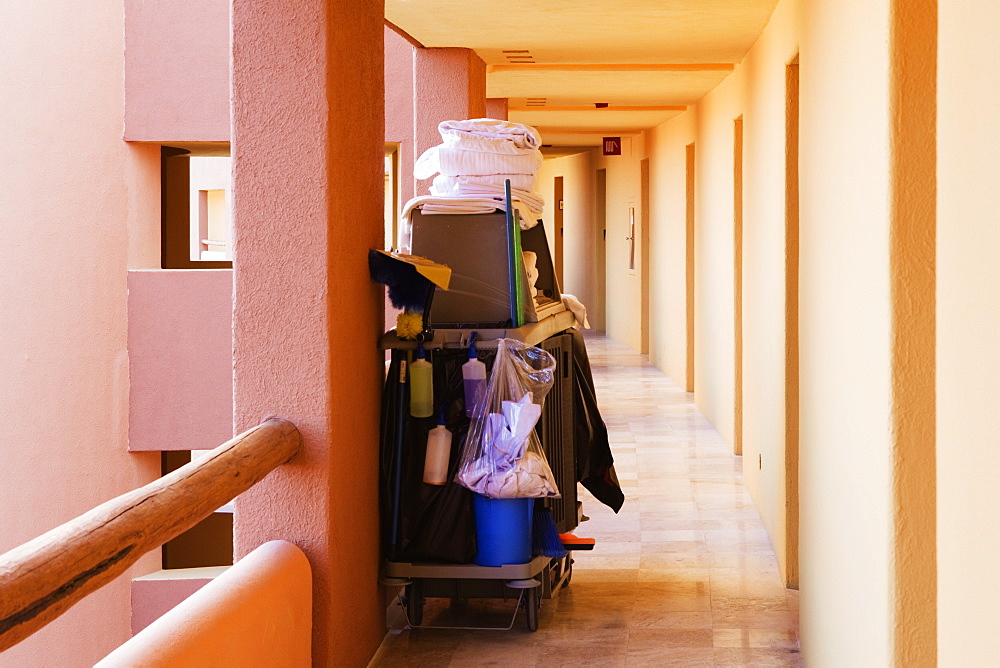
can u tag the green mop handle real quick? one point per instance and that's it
(515, 311)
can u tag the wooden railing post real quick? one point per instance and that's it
(46, 576)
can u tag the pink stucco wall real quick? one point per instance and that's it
(256, 614)
(399, 105)
(450, 84)
(308, 140)
(180, 358)
(155, 594)
(65, 193)
(177, 70)
(422, 88)
(496, 107)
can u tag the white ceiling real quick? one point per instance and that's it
(554, 60)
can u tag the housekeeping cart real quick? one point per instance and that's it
(428, 531)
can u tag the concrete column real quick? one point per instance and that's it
(496, 107)
(399, 100)
(448, 84)
(307, 205)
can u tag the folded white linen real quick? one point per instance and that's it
(527, 217)
(532, 200)
(468, 184)
(452, 161)
(490, 134)
(468, 204)
(431, 204)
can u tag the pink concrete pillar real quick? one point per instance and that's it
(307, 204)
(448, 84)
(496, 107)
(399, 99)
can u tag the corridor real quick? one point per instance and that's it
(684, 575)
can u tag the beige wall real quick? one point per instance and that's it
(968, 320)
(579, 223)
(74, 216)
(764, 273)
(668, 301)
(622, 318)
(714, 339)
(847, 527)
(847, 530)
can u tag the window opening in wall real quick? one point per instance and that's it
(208, 543)
(195, 199)
(213, 225)
(210, 221)
(391, 194)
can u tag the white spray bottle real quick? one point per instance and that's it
(438, 453)
(474, 382)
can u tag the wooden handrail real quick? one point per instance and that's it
(44, 577)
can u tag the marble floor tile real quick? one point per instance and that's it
(684, 575)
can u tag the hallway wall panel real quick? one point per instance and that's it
(668, 337)
(580, 235)
(624, 283)
(764, 270)
(968, 320)
(845, 318)
(714, 333)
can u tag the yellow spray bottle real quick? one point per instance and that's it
(421, 385)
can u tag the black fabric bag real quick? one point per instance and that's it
(436, 521)
(595, 466)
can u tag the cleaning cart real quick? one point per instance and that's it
(429, 530)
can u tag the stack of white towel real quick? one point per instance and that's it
(477, 156)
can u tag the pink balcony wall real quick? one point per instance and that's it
(256, 614)
(159, 592)
(177, 71)
(180, 358)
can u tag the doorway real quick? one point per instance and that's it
(738, 285)
(558, 232)
(644, 234)
(792, 323)
(601, 216)
(689, 263)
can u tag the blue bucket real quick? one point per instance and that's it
(503, 531)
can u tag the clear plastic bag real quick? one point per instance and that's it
(502, 456)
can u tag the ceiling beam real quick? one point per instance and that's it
(673, 107)
(596, 133)
(614, 67)
(405, 35)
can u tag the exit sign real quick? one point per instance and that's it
(612, 146)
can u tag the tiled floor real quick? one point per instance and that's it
(684, 575)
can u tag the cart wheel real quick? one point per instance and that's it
(531, 608)
(415, 602)
(569, 574)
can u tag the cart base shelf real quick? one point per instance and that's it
(529, 583)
